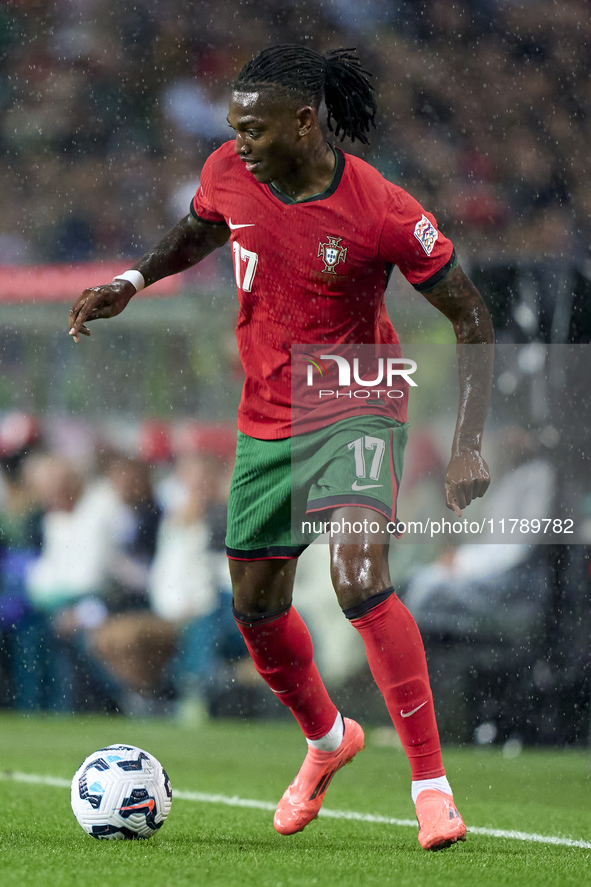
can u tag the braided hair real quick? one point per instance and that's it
(337, 77)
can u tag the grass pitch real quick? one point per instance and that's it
(212, 843)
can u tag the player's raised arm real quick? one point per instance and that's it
(186, 244)
(458, 299)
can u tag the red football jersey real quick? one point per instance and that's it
(313, 272)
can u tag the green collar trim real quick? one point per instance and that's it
(337, 175)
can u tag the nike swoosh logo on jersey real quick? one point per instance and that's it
(356, 486)
(407, 714)
(233, 227)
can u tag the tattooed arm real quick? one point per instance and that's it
(458, 299)
(186, 244)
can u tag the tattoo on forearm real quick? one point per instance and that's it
(183, 246)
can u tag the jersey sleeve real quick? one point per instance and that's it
(203, 205)
(411, 239)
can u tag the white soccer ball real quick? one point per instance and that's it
(121, 792)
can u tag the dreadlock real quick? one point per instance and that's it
(337, 77)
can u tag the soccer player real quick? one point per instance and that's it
(314, 232)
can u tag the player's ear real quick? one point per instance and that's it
(307, 118)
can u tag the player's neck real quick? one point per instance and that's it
(310, 177)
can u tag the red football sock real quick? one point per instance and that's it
(397, 661)
(281, 649)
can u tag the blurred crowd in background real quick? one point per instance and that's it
(108, 111)
(112, 574)
(114, 583)
(115, 591)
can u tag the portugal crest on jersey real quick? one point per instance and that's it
(331, 253)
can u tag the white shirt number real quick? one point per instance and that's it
(251, 260)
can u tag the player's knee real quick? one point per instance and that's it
(255, 603)
(352, 587)
(358, 573)
(259, 606)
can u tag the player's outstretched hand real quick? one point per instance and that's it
(96, 302)
(467, 478)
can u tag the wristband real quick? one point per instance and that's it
(134, 277)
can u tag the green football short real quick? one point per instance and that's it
(282, 490)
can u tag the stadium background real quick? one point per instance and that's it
(107, 114)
